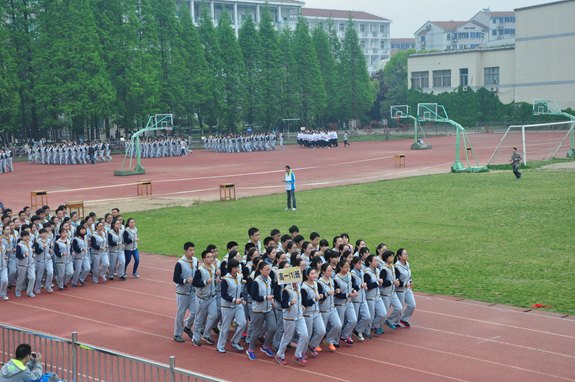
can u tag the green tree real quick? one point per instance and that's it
(289, 82)
(169, 54)
(270, 71)
(249, 43)
(9, 97)
(359, 92)
(329, 75)
(234, 71)
(395, 77)
(310, 90)
(196, 77)
(22, 37)
(75, 83)
(210, 109)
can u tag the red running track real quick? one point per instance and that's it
(257, 173)
(451, 339)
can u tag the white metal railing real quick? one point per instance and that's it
(76, 361)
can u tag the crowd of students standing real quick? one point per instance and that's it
(345, 291)
(42, 251)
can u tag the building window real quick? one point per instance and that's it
(382, 44)
(463, 77)
(473, 46)
(494, 33)
(422, 38)
(494, 20)
(362, 43)
(362, 27)
(441, 78)
(449, 36)
(420, 80)
(501, 20)
(341, 27)
(382, 28)
(371, 27)
(492, 76)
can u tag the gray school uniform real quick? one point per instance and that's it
(10, 243)
(329, 313)
(26, 267)
(99, 254)
(185, 295)
(2, 163)
(262, 312)
(343, 304)
(312, 316)
(81, 259)
(387, 292)
(293, 321)
(205, 301)
(231, 310)
(64, 262)
(3, 270)
(360, 304)
(43, 263)
(116, 253)
(376, 307)
(404, 295)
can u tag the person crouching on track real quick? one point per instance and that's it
(232, 305)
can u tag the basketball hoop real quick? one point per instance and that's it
(396, 119)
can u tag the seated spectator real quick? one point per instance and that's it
(27, 366)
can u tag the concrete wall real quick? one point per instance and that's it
(475, 61)
(545, 53)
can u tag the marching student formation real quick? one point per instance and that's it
(246, 142)
(41, 251)
(159, 147)
(319, 139)
(344, 291)
(69, 152)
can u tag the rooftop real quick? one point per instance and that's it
(498, 14)
(543, 5)
(449, 24)
(339, 14)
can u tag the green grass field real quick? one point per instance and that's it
(487, 236)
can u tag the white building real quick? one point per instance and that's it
(373, 31)
(398, 44)
(282, 11)
(485, 28)
(538, 66)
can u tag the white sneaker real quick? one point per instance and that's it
(287, 209)
(293, 209)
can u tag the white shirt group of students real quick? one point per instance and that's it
(42, 251)
(314, 138)
(243, 142)
(70, 153)
(342, 293)
(159, 147)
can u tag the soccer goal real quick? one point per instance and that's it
(542, 141)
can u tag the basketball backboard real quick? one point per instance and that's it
(545, 107)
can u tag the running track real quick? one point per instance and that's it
(450, 339)
(256, 173)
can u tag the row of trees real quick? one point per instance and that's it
(98, 63)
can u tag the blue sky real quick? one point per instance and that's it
(409, 15)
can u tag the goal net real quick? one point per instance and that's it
(534, 142)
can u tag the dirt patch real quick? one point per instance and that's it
(142, 204)
(560, 166)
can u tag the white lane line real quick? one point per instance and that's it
(477, 359)
(497, 324)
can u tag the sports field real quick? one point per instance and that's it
(470, 237)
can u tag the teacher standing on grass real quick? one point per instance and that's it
(290, 188)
